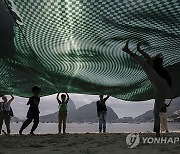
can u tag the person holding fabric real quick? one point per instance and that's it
(62, 116)
(33, 112)
(163, 117)
(159, 77)
(102, 112)
(5, 113)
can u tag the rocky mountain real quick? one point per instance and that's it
(172, 111)
(16, 119)
(86, 113)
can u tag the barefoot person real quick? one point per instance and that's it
(163, 117)
(102, 112)
(5, 113)
(62, 112)
(159, 77)
(33, 112)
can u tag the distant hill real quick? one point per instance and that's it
(16, 119)
(171, 110)
(86, 113)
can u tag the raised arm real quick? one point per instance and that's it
(145, 55)
(167, 105)
(12, 98)
(57, 97)
(67, 96)
(106, 98)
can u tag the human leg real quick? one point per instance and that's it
(25, 124)
(104, 121)
(64, 121)
(160, 97)
(7, 121)
(60, 121)
(161, 121)
(100, 121)
(35, 123)
(165, 122)
(157, 106)
(1, 121)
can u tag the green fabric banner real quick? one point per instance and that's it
(76, 45)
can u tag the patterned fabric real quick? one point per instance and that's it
(75, 45)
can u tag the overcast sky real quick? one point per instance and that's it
(49, 105)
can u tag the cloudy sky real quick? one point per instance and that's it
(49, 105)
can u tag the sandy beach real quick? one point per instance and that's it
(83, 143)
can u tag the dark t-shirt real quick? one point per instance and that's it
(163, 73)
(163, 108)
(34, 104)
(101, 106)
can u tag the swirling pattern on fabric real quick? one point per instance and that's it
(75, 45)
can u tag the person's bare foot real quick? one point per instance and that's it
(126, 49)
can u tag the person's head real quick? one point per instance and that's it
(158, 60)
(4, 98)
(63, 97)
(101, 97)
(36, 90)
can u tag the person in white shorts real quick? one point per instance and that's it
(163, 117)
(158, 76)
(5, 115)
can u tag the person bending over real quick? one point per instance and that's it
(158, 76)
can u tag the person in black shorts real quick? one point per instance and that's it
(33, 112)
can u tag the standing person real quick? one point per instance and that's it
(102, 112)
(163, 117)
(62, 116)
(159, 77)
(5, 113)
(33, 112)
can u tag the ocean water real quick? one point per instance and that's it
(52, 128)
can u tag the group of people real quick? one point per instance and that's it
(33, 113)
(152, 66)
